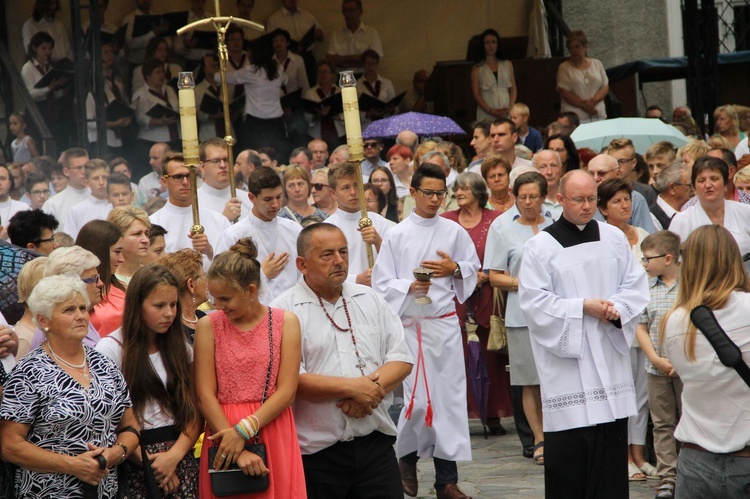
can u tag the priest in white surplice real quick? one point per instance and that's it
(343, 180)
(275, 237)
(581, 291)
(214, 194)
(434, 422)
(177, 215)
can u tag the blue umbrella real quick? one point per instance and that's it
(419, 123)
(642, 131)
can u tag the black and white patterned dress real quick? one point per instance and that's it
(64, 417)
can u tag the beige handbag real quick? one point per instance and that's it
(498, 338)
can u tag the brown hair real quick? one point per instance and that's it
(184, 264)
(238, 266)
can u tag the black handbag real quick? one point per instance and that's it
(233, 480)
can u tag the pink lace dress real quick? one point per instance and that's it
(241, 368)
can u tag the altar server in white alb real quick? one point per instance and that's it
(177, 215)
(96, 206)
(581, 290)
(342, 178)
(215, 194)
(276, 237)
(73, 161)
(434, 422)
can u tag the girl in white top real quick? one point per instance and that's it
(582, 81)
(493, 82)
(715, 422)
(156, 361)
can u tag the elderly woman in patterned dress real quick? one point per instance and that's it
(66, 419)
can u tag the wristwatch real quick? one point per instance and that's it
(457, 272)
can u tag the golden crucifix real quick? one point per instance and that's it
(221, 24)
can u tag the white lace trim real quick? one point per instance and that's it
(575, 399)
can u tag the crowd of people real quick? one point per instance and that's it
(288, 343)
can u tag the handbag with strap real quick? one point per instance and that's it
(233, 480)
(498, 337)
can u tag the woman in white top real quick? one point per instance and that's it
(582, 81)
(709, 179)
(323, 125)
(114, 90)
(156, 91)
(616, 207)
(152, 352)
(493, 82)
(715, 423)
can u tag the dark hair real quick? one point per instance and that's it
(144, 384)
(505, 121)
(574, 161)
(39, 7)
(270, 152)
(485, 33)
(262, 178)
(237, 266)
(34, 178)
(391, 198)
(306, 235)
(261, 56)
(119, 160)
(118, 179)
(663, 241)
(727, 155)
(531, 178)
(484, 126)
(149, 66)
(572, 117)
(44, 165)
(153, 44)
(280, 32)
(10, 176)
(98, 236)
(609, 189)
(325, 62)
(641, 168)
(426, 170)
(654, 107)
(154, 232)
(26, 226)
(710, 163)
(379, 196)
(299, 150)
(370, 54)
(39, 38)
(235, 28)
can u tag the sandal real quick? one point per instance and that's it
(665, 490)
(650, 471)
(539, 458)
(633, 471)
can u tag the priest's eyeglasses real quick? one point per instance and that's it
(590, 200)
(646, 259)
(179, 177)
(428, 194)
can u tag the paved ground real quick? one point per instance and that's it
(499, 471)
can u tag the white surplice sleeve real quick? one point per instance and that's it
(555, 323)
(465, 255)
(385, 279)
(631, 299)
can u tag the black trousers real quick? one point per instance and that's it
(446, 472)
(362, 468)
(587, 463)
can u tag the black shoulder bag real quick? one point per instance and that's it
(729, 354)
(233, 480)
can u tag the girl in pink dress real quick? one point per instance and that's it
(232, 352)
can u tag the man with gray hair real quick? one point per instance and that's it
(339, 155)
(75, 262)
(301, 156)
(674, 186)
(547, 162)
(449, 203)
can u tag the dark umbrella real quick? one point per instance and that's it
(419, 123)
(479, 378)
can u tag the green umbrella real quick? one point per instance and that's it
(642, 131)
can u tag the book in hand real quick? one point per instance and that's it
(116, 110)
(304, 43)
(52, 75)
(367, 102)
(160, 111)
(118, 37)
(144, 24)
(334, 102)
(292, 100)
(211, 105)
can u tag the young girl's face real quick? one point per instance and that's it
(159, 309)
(16, 125)
(43, 52)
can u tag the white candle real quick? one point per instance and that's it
(189, 125)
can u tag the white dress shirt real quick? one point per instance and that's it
(143, 100)
(262, 96)
(54, 28)
(344, 42)
(297, 23)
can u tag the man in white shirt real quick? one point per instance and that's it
(176, 217)
(215, 194)
(58, 205)
(96, 206)
(275, 237)
(434, 422)
(582, 290)
(349, 43)
(504, 136)
(319, 150)
(44, 18)
(548, 163)
(151, 183)
(301, 156)
(353, 355)
(342, 178)
(675, 189)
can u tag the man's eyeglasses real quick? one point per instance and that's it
(179, 177)
(91, 280)
(44, 192)
(48, 240)
(216, 161)
(625, 161)
(429, 194)
(646, 259)
(590, 200)
(319, 187)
